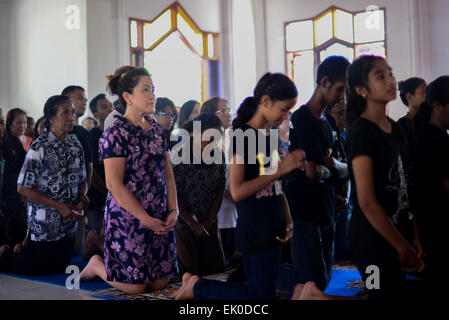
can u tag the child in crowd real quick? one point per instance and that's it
(200, 187)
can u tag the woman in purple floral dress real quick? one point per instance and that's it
(141, 208)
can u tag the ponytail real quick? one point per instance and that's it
(275, 85)
(422, 117)
(357, 76)
(246, 111)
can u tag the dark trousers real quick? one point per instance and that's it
(199, 256)
(312, 252)
(39, 258)
(261, 272)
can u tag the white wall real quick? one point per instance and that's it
(44, 56)
(439, 37)
(4, 55)
(399, 43)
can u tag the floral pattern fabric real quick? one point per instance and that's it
(56, 169)
(133, 253)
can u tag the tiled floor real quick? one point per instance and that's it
(12, 288)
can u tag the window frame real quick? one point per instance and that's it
(289, 64)
(209, 87)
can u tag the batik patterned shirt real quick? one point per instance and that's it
(56, 169)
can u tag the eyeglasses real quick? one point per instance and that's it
(226, 111)
(165, 114)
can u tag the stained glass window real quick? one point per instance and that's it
(177, 53)
(332, 32)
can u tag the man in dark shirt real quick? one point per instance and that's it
(78, 96)
(311, 193)
(79, 100)
(100, 107)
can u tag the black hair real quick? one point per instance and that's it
(276, 85)
(125, 79)
(437, 91)
(68, 90)
(207, 120)
(162, 103)
(11, 116)
(94, 101)
(357, 76)
(409, 86)
(211, 105)
(36, 127)
(118, 106)
(51, 108)
(186, 111)
(94, 120)
(334, 68)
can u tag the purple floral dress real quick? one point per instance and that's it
(133, 253)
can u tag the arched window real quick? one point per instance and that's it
(182, 58)
(333, 32)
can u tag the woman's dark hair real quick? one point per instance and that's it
(409, 86)
(211, 105)
(186, 111)
(11, 116)
(275, 85)
(162, 104)
(51, 108)
(437, 91)
(357, 76)
(36, 127)
(207, 120)
(125, 79)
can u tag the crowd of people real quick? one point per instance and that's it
(348, 182)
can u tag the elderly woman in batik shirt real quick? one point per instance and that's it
(53, 179)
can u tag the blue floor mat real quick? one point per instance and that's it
(60, 278)
(339, 284)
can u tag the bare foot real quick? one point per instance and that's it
(89, 271)
(186, 292)
(185, 278)
(311, 292)
(297, 291)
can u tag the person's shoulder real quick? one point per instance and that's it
(361, 127)
(41, 141)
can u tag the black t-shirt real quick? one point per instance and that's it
(84, 137)
(311, 200)
(389, 155)
(431, 167)
(406, 126)
(14, 155)
(97, 198)
(260, 216)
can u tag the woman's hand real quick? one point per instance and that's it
(66, 210)
(288, 234)
(408, 258)
(171, 220)
(83, 203)
(294, 160)
(155, 224)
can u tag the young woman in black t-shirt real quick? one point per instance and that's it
(431, 178)
(264, 221)
(383, 233)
